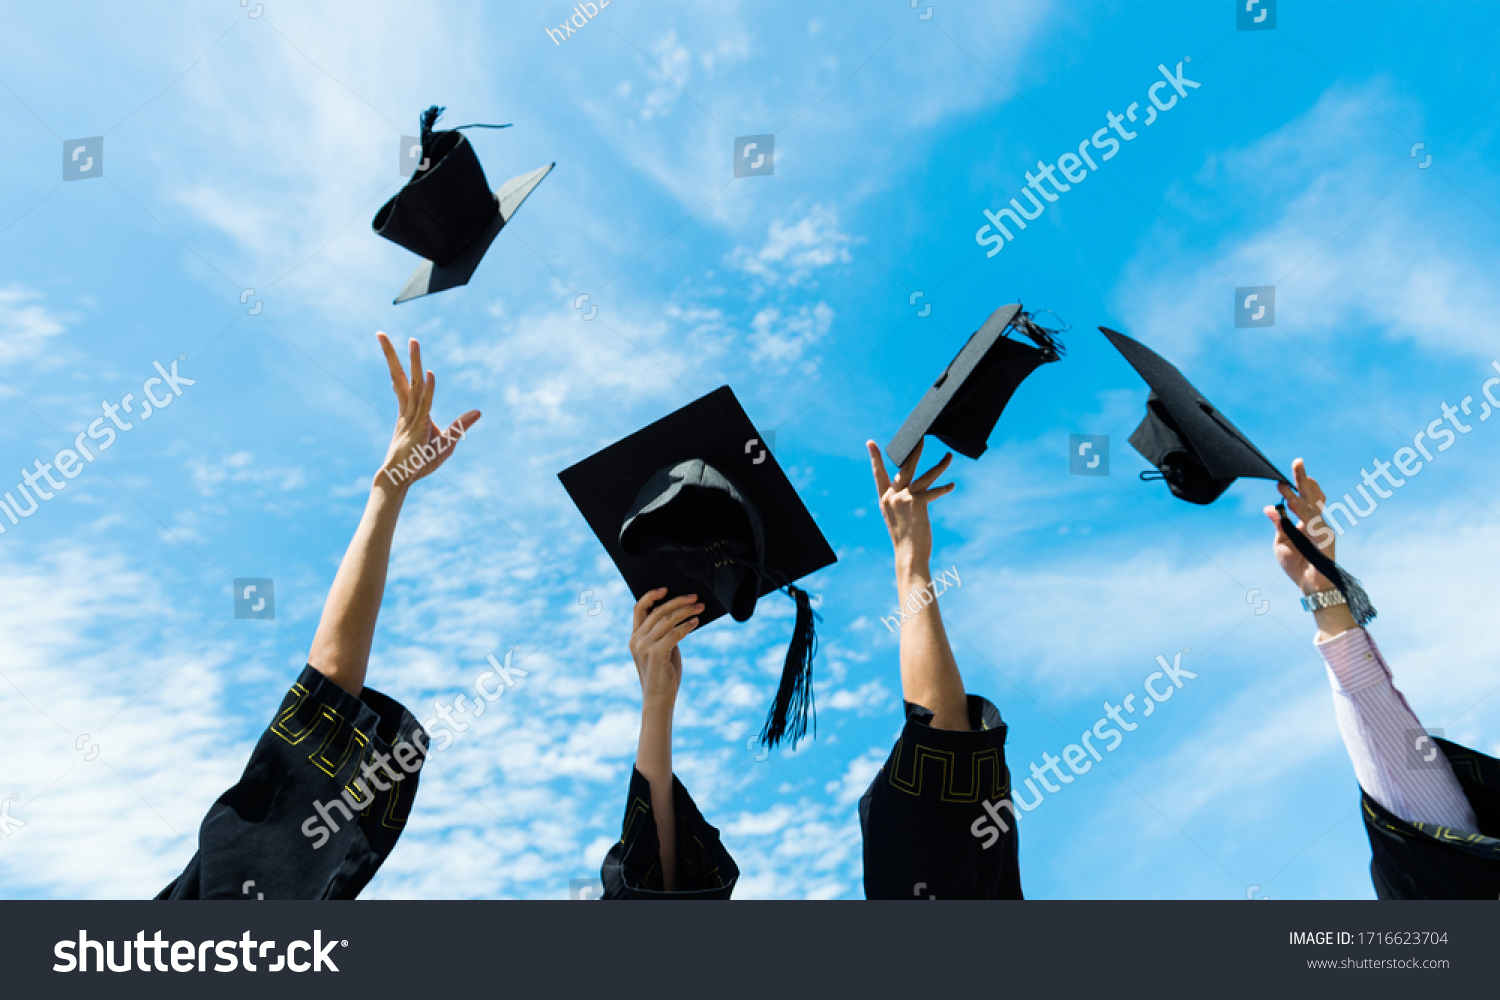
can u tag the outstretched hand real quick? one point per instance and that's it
(904, 500)
(1305, 505)
(418, 446)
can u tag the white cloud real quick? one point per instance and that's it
(792, 253)
(868, 696)
(1403, 260)
(241, 470)
(784, 339)
(141, 687)
(674, 75)
(27, 326)
(857, 776)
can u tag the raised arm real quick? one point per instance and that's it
(929, 674)
(1396, 764)
(654, 637)
(341, 646)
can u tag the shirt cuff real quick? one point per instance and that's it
(1354, 662)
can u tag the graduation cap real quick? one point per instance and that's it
(1193, 446)
(446, 212)
(964, 404)
(695, 503)
(1200, 453)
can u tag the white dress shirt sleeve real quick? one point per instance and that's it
(1384, 738)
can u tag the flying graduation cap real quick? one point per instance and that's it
(1200, 453)
(695, 503)
(447, 212)
(1193, 446)
(964, 404)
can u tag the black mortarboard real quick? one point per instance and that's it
(1199, 453)
(446, 212)
(697, 504)
(1193, 446)
(963, 405)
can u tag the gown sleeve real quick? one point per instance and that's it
(1418, 860)
(305, 820)
(632, 868)
(937, 820)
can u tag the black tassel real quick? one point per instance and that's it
(432, 114)
(429, 119)
(1359, 602)
(1044, 337)
(794, 698)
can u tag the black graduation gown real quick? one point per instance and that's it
(632, 868)
(1425, 861)
(920, 813)
(258, 831)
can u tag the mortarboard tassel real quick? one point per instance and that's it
(429, 120)
(1359, 602)
(794, 698)
(1044, 337)
(433, 113)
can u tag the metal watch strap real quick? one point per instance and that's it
(1322, 599)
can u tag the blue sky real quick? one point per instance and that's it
(250, 153)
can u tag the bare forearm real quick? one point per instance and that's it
(653, 758)
(341, 646)
(929, 674)
(1333, 621)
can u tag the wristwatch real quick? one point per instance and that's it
(1323, 599)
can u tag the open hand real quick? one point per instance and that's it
(418, 447)
(903, 503)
